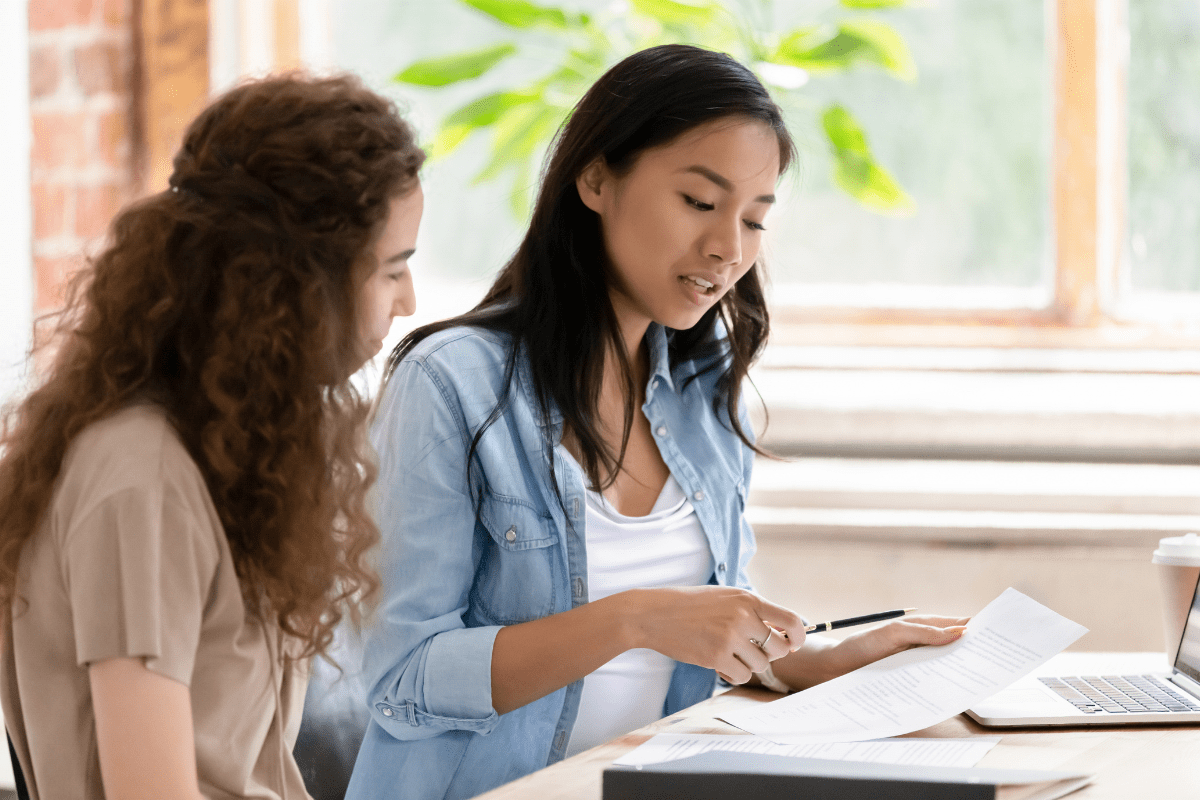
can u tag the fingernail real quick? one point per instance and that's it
(957, 630)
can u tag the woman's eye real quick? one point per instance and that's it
(754, 226)
(694, 203)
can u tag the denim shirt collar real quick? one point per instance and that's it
(660, 371)
(660, 361)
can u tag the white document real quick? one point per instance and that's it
(912, 690)
(923, 752)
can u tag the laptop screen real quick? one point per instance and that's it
(1188, 660)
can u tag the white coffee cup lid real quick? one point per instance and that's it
(1183, 551)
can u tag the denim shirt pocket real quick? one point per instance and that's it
(515, 581)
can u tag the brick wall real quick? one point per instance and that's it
(83, 164)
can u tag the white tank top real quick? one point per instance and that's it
(664, 548)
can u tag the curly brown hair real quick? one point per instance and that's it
(230, 301)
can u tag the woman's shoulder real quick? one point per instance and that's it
(137, 436)
(133, 449)
(461, 347)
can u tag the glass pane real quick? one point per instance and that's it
(467, 230)
(1164, 144)
(969, 140)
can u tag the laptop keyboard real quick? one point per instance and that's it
(1118, 694)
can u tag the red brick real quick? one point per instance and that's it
(49, 210)
(51, 14)
(59, 139)
(43, 71)
(100, 67)
(51, 274)
(95, 206)
(112, 139)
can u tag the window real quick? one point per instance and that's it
(1164, 146)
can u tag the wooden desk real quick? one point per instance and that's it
(1129, 763)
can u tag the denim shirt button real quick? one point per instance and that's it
(662, 430)
(511, 534)
(387, 712)
(721, 567)
(579, 587)
(698, 496)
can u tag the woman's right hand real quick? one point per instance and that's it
(731, 630)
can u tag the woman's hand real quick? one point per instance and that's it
(711, 626)
(731, 630)
(822, 659)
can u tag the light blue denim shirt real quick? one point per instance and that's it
(450, 583)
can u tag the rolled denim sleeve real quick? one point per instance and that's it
(426, 672)
(748, 545)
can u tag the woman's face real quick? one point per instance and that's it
(685, 223)
(388, 290)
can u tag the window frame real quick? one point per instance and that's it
(1087, 304)
(1090, 297)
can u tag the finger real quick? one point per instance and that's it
(936, 621)
(775, 643)
(735, 670)
(914, 633)
(783, 619)
(751, 655)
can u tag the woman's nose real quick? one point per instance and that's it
(405, 304)
(724, 243)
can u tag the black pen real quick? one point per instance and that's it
(851, 621)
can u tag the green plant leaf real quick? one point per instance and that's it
(519, 13)
(855, 169)
(885, 46)
(672, 12)
(855, 41)
(517, 135)
(844, 132)
(520, 199)
(458, 67)
(875, 4)
(479, 113)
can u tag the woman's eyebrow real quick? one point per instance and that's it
(404, 256)
(724, 182)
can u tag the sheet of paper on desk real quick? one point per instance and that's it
(912, 690)
(923, 752)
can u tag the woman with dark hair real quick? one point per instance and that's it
(563, 470)
(182, 498)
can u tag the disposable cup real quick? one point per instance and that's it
(1178, 560)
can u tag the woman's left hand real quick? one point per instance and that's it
(821, 659)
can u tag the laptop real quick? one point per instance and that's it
(1104, 699)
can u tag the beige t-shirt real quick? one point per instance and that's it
(132, 561)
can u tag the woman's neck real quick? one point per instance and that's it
(631, 328)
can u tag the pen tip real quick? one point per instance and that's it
(909, 610)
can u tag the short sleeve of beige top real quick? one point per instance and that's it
(132, 561)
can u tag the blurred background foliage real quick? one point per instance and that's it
(968, 141)
(522, 118)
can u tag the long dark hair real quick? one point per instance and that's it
(230, 300)
(552, 297)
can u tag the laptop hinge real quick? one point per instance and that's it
(1187, 684)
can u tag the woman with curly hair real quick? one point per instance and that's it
(182, 496)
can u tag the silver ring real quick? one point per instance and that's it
(770, 633)
(756, 643)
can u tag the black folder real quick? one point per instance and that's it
(732, 776)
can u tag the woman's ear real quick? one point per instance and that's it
(590, 184)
